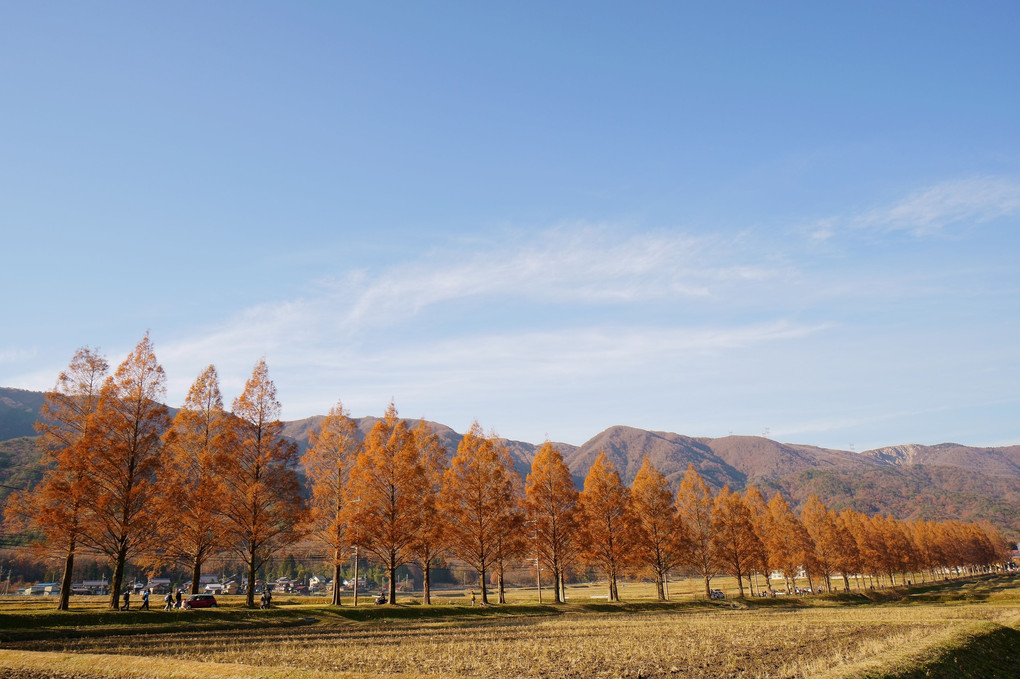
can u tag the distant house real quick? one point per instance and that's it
(41, 589)
(94, 587)
(158, 585)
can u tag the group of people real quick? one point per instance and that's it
(170, 601)
(266, 599)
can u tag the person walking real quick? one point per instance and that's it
(127, 600)
(178, 598)
(145, 601)
(169, 599)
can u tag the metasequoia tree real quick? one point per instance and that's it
(198, 438)
(550, 500)
(511, 541)
(606, 525)
(56, 508)
(898, 555)
(662, 541)
(1001, 553)
(824, 530)
(789, 545)
(758, 508)
(924, 535)
(478, 492)
(383, 495)
(734, 540)
(331, 453)
(694, 511)
(430, 538)
(124, 454)
(261, 494)
(847, 559)
(867, 546)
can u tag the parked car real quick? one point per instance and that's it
(200, 601)
(716, 594)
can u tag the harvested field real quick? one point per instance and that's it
(734, 639)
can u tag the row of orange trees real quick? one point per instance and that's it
(126, 482)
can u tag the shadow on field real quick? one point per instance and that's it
(994, 654)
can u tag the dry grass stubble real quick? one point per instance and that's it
(759, 644)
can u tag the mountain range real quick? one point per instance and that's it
(944, 481)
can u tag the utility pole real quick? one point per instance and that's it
(355, 577)
(538, 576)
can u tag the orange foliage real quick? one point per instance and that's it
(56, 508)
(383, 495)
(551, 505)
(735, 543)
(261, 494)
(661, 541)
(478, 497)
(607, 527)
(430, 540)
(331, 453)
(124, 454)
(694, 512)
(788, 543)
(199, 436)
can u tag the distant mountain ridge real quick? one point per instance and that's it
(912, 481)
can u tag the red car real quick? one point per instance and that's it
(200, 601)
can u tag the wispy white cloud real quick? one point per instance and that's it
(579, 264)
(933, 209)
(586, 351)
(365, 327)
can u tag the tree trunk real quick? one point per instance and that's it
(427, 583)
(708, 591)
(336, 579)
(740, 585)
(196, 574)
(499, 582)
(481, 582)
(392, 570)
(556, 586)
(63, 602)
(810, 583)
(660, 590)
(118, 577)
(249, 600)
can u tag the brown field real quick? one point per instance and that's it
(791, 637)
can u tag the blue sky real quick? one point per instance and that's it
(707, 218)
